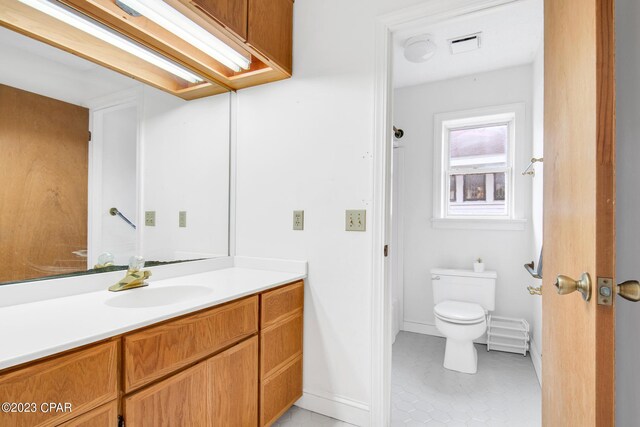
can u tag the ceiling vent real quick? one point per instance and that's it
(465, 43)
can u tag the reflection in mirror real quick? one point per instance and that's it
(87, 152)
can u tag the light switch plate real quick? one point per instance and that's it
(356, 220)
(182, 219)
(298, 220)
(150, 218)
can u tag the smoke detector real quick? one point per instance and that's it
(419, 48)
(465, 43)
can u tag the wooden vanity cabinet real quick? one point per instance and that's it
(237, 364)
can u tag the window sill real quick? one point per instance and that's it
(479, 224)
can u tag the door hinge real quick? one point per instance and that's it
(386, 250)
(90, 136)
(120, 421)
(605, 291)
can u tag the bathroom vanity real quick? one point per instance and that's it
(222, 347)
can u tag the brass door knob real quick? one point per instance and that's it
(630, 290)
(566, 285)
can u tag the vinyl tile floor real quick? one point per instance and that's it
(504, 392)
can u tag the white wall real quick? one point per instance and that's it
(185, 149)
(306, 143)
(426, 247)
(536, 205)
(627, 206)
(118, 186)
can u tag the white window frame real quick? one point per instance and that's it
(514, 116)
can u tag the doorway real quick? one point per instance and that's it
(464, 93)
(571, 96)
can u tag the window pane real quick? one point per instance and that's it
(475, 187)
(498, 186)
(479, 146)
(452, 188)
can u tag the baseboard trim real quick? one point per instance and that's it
(536, 358)
(421, 328)
(338, 407)
(430, 329)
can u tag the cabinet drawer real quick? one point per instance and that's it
(280, 391)
(160, 350)
(180, 400)
(104, 416)
(85, 379)
(280, 344)
(281, 303)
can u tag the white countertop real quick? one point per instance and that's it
(37, 329)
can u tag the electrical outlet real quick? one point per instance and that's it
(182, 219)
(356, 220)
(298, 220)
(150, 218)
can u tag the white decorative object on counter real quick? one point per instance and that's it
(478, 266)
(508, 334)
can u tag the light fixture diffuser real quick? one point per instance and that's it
(419, 48)
(176, 23)
(94, 29)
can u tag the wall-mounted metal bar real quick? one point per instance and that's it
(530, 170)
(531, 268)
(116, 212)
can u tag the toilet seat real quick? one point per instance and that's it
(462, 313)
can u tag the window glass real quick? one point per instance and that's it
(498, 186)
(475, 187)
(452, 188)
(478, 146)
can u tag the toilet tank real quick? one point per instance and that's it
(465, 286)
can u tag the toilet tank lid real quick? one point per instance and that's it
(463, 273)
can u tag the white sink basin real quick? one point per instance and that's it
(155, 297)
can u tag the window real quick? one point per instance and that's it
(474, 151)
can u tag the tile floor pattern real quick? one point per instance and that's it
(504, 392)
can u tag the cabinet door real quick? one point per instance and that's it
(104, 416)
(234, 385)
(180, 400)
(230, 13)
(271, 30)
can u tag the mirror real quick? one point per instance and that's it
(97, 167)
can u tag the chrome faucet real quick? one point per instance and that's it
(135, 277)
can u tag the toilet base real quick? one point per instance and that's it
(461, 356)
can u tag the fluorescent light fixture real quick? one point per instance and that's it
(96, 30)
(181, 26)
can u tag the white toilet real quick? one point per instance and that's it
(462, 299)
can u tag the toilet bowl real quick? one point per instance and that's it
(462, 300)
(460, 323)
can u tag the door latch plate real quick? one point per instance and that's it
(605, 291)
